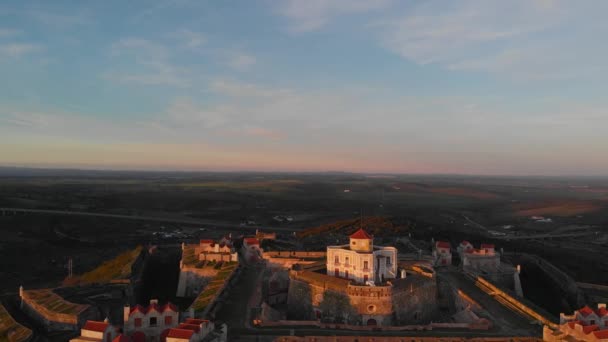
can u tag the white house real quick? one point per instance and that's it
(95, 331)
(442, 253)
(361, 261)
(150, 322)
(252, 250)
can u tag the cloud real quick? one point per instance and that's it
(311, 15)
(241, 61)
(4, 32)
(152, 59)
(190, 39)
(56, 20)
(15, 50)
(520, 38)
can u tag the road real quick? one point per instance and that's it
(146, 218)
(508, 321)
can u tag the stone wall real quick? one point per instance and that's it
(192, 280)
(57, 321)
(409, 300)
(295, 254)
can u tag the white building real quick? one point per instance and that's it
(361, 261)
(209, 250)
(193, 330)
(95, 331)
(149, 323)
(584, 324)
(483, 259)
(442, 253)
(252, 250)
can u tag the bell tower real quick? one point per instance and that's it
(361, 241)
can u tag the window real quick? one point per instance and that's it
(337, 272)
(337, 259)
(354, 243)
(388, 261)
(137, 322)
(153, 321)
(365, 278)
(168, 320)
(592, 322)
(346, 261)
(365, 265)
(346, 274)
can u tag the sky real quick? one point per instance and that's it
(383, 86)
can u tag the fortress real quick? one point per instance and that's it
(362, 286)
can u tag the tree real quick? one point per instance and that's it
(336, 308)
(299, 301)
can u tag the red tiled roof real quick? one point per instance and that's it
(138, 336)
(252, 241)
(586, 311)
(196, 321)
(156, 307)
(360, 234)
(572, 324)
(206, 242)
(96, 326)
(121, 338)
(180, 333)
(193, 327)
(487, 245)
(601, 334)
(170, 306)
(465, 242)
(602, 312)
(589, 328)
(137, 308)
(443, 244)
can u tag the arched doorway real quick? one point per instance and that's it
(372, 322)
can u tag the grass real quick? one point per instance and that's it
(561, 208)
(373, 224)
(54, 303)
(117, 268)
(271, 185)
(11, 330)
(211, 290)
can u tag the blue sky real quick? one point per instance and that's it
(473, 86)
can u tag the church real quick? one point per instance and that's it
(361, 261)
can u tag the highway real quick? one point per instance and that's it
(200, 222)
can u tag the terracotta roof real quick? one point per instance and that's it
(252, 241)
(193, 327)
(601, 334)
(170, 306)
(180, 333)
(586, 311)
(487, 245)
(602, 312)
(443, 244)
(465, 242)
(156, 307)
(589, 328)
(96, 326)
(196, 321)
(572, 324)
(360, 234)
(121, 338)
(206, 242)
